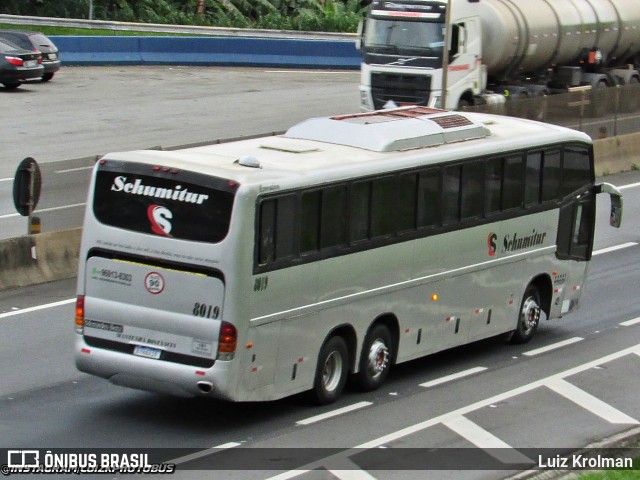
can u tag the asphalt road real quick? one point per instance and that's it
(575, 383)
(89, 111)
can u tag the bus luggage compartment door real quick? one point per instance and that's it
(153, 312)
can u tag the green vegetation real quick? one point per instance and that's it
(305, 15)
(614, 474)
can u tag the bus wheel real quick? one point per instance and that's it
(529, 316)
(331, 372)
(376, 358)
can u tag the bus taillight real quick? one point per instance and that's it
(227, 341)
(80, 314)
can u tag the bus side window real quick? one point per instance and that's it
(551, 175)
(472, 189)
(493, 187)
(576, 169)
(359, 211)
(286, 241)
(513, 183)
(533, 178)
(407, 195)
(277, 240)
(267, 244)
(310, 222)
(451, 195)
(333, 219)
(383, 206)
(429, 198)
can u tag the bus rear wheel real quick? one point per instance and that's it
(528, 316)
(375, 359)
(331, 371)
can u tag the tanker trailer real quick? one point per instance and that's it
(498, 49)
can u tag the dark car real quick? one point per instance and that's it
(36, 41)
(18, 65)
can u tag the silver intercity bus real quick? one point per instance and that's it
(261, 268)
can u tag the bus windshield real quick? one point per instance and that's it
(174, 204)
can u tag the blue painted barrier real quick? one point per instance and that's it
(221, 51)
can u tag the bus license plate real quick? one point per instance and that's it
(147, 352)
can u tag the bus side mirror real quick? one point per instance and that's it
(615, 217)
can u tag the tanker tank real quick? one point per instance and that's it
(520, 36)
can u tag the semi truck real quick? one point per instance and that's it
(496, 50)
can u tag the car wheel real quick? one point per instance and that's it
(11, 86)
(47, 76)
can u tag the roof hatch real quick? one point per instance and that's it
(391, 130)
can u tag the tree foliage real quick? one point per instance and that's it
(317, 15)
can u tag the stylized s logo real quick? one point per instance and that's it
(491, 244)
(159, 218)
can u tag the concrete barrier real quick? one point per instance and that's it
(216, 51)
(53, 256)
(40, 258)
(617, 154)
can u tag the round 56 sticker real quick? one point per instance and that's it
(154, 283)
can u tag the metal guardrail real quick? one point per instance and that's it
(172, 29)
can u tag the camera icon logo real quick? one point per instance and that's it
(23, 458)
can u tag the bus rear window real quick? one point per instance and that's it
(180, 205)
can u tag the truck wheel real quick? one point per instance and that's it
(375, 359)
(463, 105)
(331, 371)
(528, 316)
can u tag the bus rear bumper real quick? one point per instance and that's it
(153, 375)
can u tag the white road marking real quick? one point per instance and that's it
(631, 185)
(333, 413)
(614, 248)
(36, 308)
(204, 453)
(628, 323)
(453, 376)
(485, 440)
(553, 346)
(385, 439)
(589, 402)
(6, 179)
(345, 469)
(51, 209)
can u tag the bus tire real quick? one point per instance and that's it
(331, 371)
(375, 359)
(528, 316)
